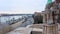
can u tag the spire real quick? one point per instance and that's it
(49, 1)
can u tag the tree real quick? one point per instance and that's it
(38, 19)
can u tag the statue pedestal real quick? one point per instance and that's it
(50, 29)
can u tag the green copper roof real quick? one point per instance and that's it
(49, 1)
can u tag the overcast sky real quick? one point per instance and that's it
(22, 6)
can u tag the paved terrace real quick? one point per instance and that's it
(36, 28)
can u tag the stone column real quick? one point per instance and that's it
(44, 18)
(49, 18)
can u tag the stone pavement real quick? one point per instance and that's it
(21, 30)
(27, 30)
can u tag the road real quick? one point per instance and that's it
(6, 28)
(29, 21)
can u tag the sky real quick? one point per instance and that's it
(22, 6)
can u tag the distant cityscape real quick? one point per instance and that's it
(6, 18)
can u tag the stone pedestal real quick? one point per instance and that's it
(50, 29)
